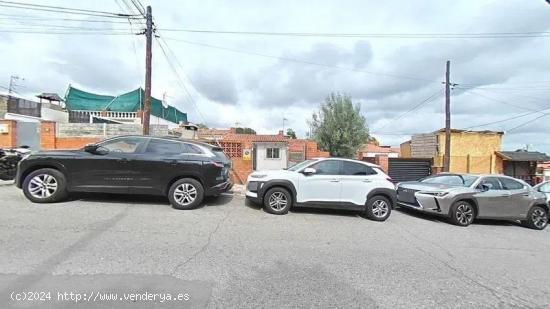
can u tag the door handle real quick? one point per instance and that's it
(171, 162)
(367, 180)
(334, 180)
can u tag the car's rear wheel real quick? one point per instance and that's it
(378, 208)
(537, 218)
(462, 213)
(45, 185)
(186, 193)
(277, 201)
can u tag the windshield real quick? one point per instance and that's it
(300, 165)
(451, 180)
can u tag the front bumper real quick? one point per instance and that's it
(220, 188)
(428, 203)
(254, 191)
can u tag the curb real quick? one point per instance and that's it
(6, 183)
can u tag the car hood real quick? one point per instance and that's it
(415, 185)
(54, 153)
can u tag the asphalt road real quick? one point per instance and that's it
(232, 255)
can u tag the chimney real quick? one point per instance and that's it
(281, 133)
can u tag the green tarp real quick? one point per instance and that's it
(78, 100)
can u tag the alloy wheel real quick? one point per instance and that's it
(185, 194)
(380, 208)
(42, 186)
(465, 214)
(539, 217)
(278, 201)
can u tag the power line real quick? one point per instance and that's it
(500, 101)
(179, 78)
(479, 35)
(415, 107)
(301, 61)
(527, 122)
(19, 18)
(66, 32)
(57, 8)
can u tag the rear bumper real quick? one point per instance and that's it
(220, 188)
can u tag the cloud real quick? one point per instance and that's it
(216, 85)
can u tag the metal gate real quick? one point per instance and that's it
(28, 134)
(409, 169)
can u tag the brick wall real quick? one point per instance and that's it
(47, 135)
(382, 161)
(69, 143)
(9, 140)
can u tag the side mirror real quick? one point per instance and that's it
(309, 171)
(485, 187)
(95, 149)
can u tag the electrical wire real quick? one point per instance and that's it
(301, 61)
(479, 35)
(179, 78)
(415, 107)
(58, 9)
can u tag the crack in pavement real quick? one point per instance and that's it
(498, 295)
(205, 246)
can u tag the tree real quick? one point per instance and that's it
(244, 131)
(338, 126)
(290, 133)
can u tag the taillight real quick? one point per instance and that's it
(390, 180)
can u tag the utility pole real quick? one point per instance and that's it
(13, 84)
(148, 60)
(447, 158)
(284, 119)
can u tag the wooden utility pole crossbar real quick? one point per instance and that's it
(148, 59)
(447, 157)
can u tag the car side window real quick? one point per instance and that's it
(190, 148)
(163, 147)
(327, 167)
(123, 145)
(510, 184)
(491, 182)
(356, 169)
(545, 188)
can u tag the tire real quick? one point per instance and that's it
(537, 218)
(277, 201)
(462, 213)
(186, 193)
(378, 208)
(46, 185)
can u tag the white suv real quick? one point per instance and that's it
(325, 183)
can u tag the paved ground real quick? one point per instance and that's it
(232, 255)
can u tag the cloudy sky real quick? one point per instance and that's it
(256, 80)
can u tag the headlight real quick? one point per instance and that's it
(438, 194)
(258, 175)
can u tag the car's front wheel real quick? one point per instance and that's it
(537, 218)
(45, 185)
(277, 201)
(186, 193)
(462, 213)
(378, 208)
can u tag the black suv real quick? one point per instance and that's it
(183, 170)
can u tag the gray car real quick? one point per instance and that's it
(465, 197)
(544, 187)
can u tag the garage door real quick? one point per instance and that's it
(401, 169)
